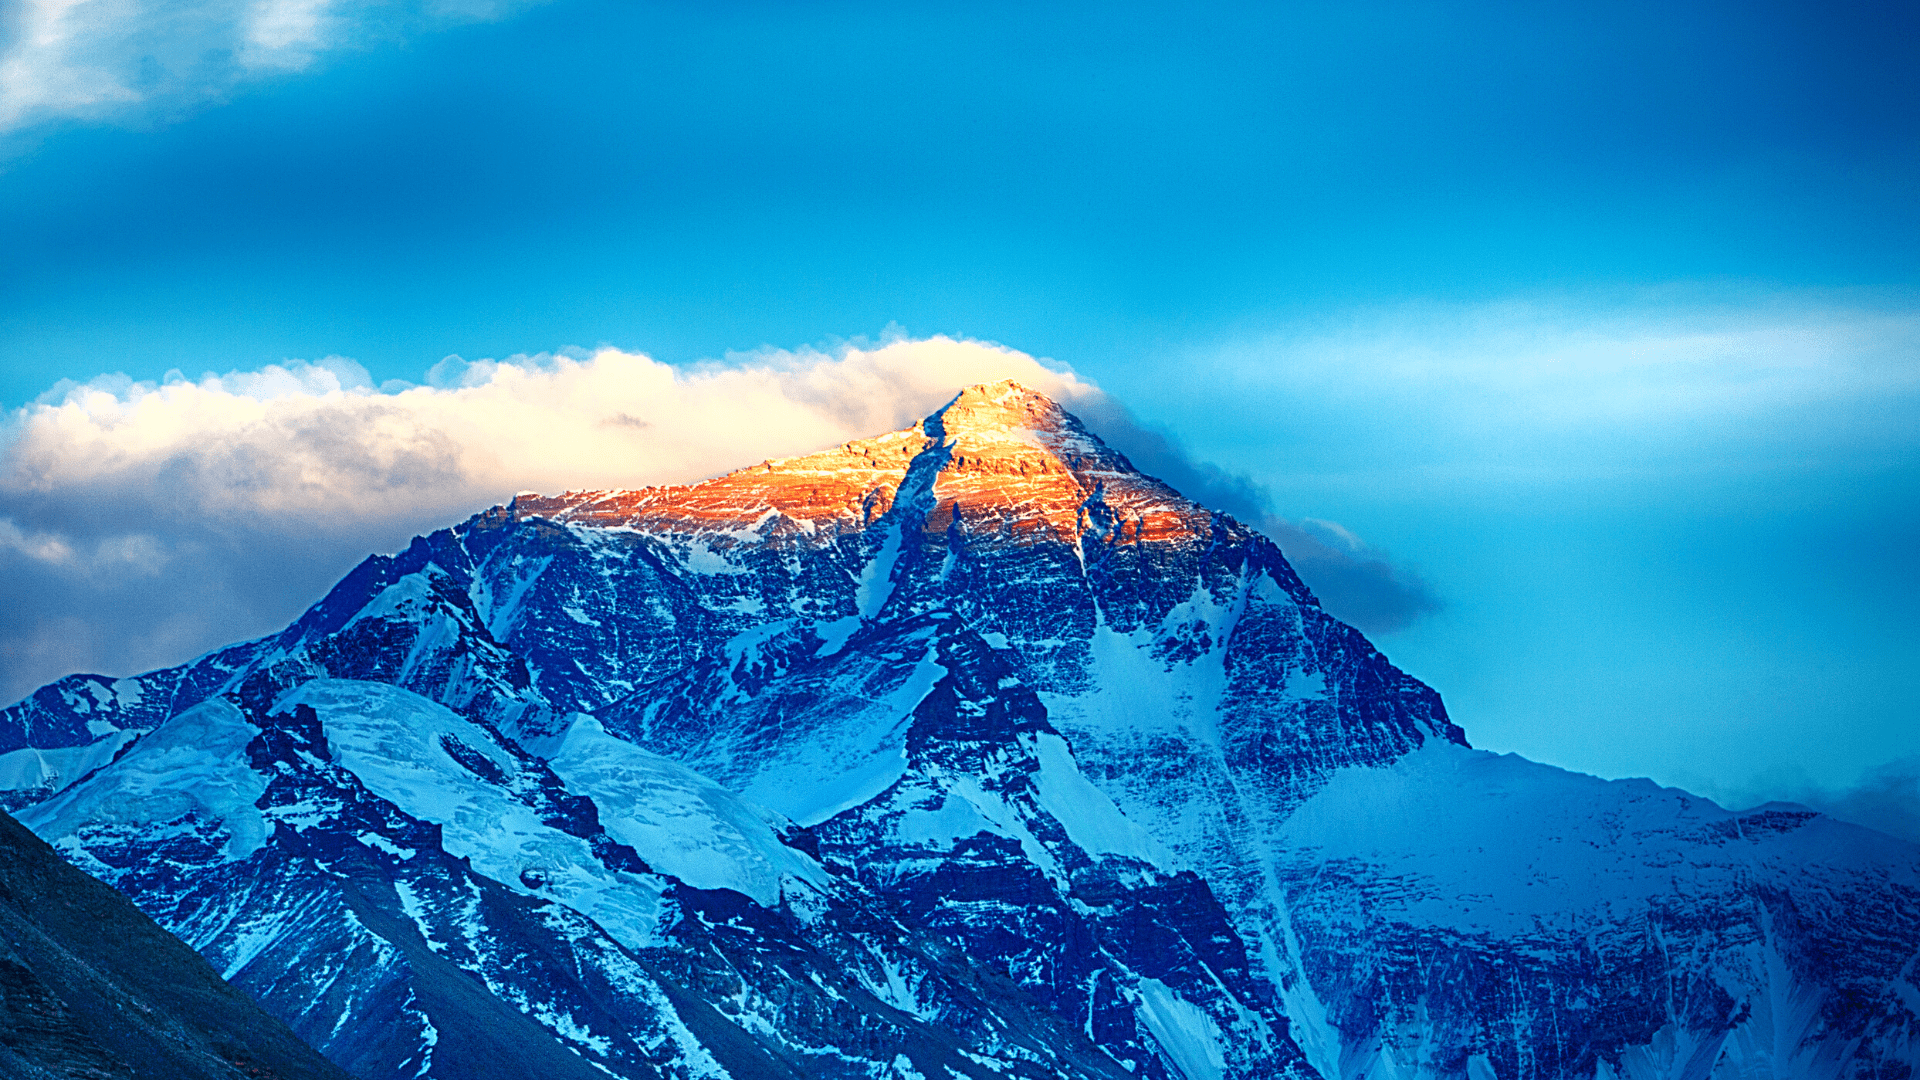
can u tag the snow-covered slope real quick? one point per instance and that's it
(963, 750)
(418, 896)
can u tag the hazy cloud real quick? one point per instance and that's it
(152, 60)
(1886, 797)
(143, 523)
(1586, 363)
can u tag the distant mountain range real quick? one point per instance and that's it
(963, 751)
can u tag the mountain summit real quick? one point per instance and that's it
(966, 750)
(998, 455)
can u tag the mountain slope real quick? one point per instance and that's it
(90, 987)
(418, 896)
(1639, 930)
(963, 750)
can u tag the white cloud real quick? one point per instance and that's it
(315, 443)
(146, 60)
(276, 31)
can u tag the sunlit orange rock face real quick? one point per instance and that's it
(1017, 465)
(834, 491)
(1005, 462)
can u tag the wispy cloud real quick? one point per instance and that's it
(1355, 580)
(142, 61)
(143, 522)
(1581, 387)
(1587, 362)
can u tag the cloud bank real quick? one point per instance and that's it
(143, 523)
(143, 61)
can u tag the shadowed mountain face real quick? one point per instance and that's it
(967, 750)
(90, 987)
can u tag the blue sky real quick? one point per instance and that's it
(1597, 323)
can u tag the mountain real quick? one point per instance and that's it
(967, 750)
(90, 987)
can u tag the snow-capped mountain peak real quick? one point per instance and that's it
(964, 750)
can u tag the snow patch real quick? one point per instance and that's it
(876, 582)
(392, 740)
(1187, 1035)
(399, 599)
(31, 769)
(1091, 819)
(839, 767)
(190, 770)
(698, 557)
(128, 693)
(834, 635)
(1305, 686)
(680, 822)
(500, 612)
(579, 615)
(1570, 848)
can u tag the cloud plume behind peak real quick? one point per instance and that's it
(308, 442)
(143, 523)
(1354, 580)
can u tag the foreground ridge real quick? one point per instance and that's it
(964, 750)
(90, 987)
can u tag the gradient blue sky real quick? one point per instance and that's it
(1601, 319)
